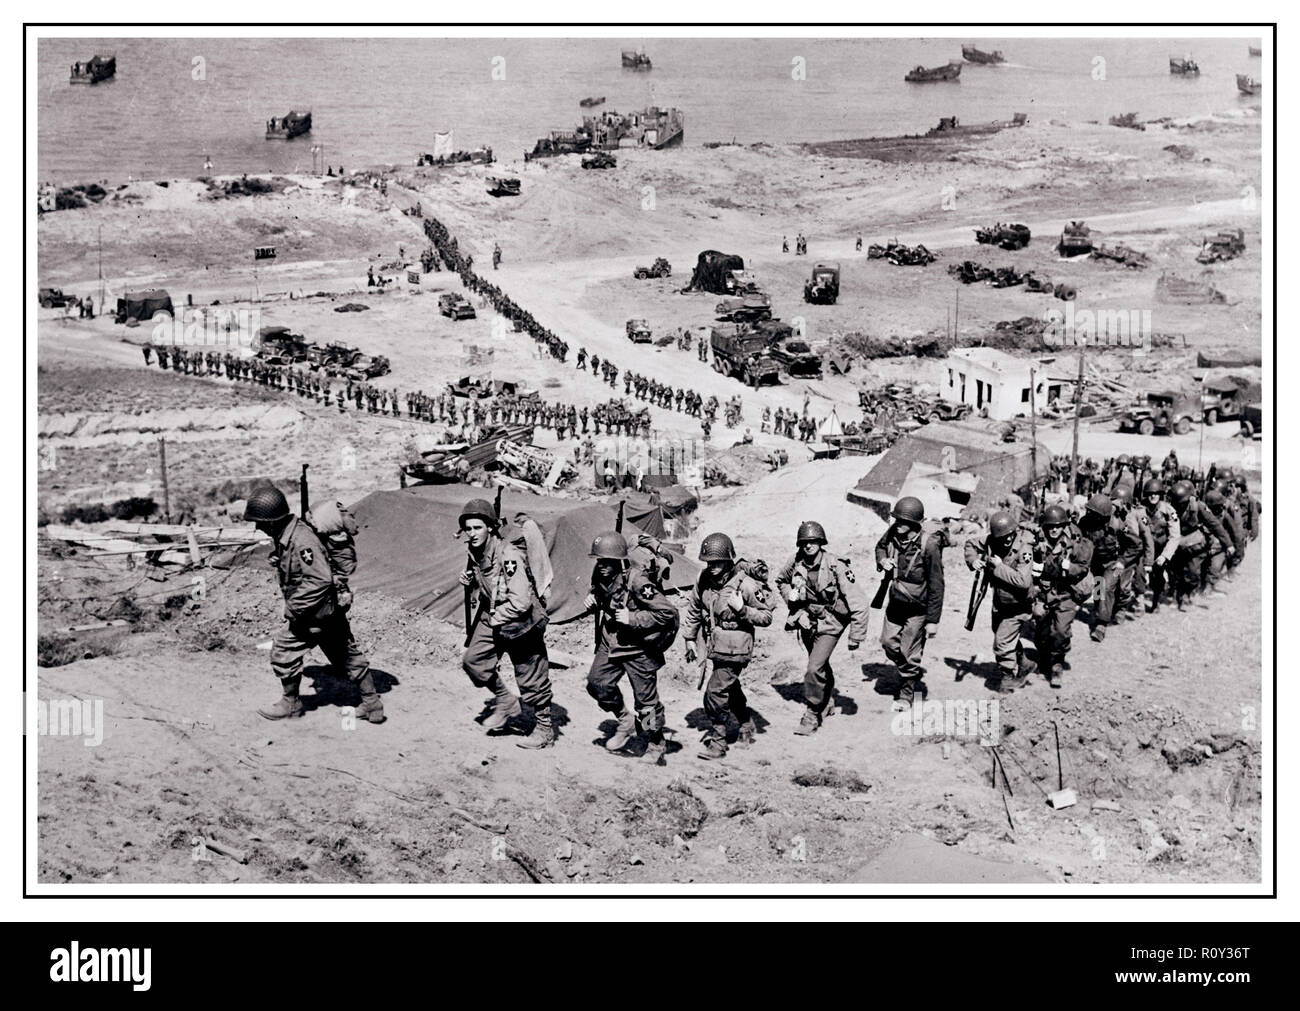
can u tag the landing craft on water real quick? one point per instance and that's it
(921, 75)
(652, 127)
(93, 70)
(972, 55)
(287, 127)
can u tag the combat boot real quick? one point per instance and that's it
(1054, 678)
(289, 705)
(746, 735)
(623, 733)
(543, 735)
(655, 748)
(906, 694)
(715, 746)
(506, 708)
(809, 723)
(371, 709)
(1098, 634)
(1011, 681)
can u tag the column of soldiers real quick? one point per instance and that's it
(1040, 574)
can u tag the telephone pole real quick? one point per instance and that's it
(1078, 407)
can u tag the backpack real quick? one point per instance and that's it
(336, 529)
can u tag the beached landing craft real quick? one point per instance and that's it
(587, 103)
(920, 75)
(94, 70)
(1186, 66)
(1247, 85)
(654, 128)
(972, 55)
(289, 126)
(632, 60)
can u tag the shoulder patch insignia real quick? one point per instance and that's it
(648, 591)
(306, 555)
(510, 567)
(761, 595)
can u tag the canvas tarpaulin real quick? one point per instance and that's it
(142, 305)
(407, 546)
(711, 271)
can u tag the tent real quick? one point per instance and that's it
(142, 305)
(711, 271)
(407, 546)
(974, 467)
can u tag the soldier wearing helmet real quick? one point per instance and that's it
(1233, 521)
(1111, 540)
(510, 621)
(824, 599)
(1063, 577)
(1162, 521)
(1216, 562)
(638, 625)
(727, 604)
(1138, 550)
(1202, 535)
(314, 616)
(914, 566)
(1007, 556)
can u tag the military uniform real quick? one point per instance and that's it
(1011, 579)
(1162, 521)
(635, 648)
(1064, 582)
(915, 596)
(1114, 540)
(828, 600)
(512, 623)
(729, 640)
(1202, 537)
(311, 607)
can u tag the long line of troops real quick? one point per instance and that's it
(1108, 552)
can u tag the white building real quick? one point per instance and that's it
(995, 383)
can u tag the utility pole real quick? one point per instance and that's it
(101, 270)
(162, 457)
(1078, 406)
(1033, 425)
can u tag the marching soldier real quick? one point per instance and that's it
(510, 620)
(316, 602)
(1217, 562)
(823, 600)
(915, 569)
(726, 604)
(1202, 534)
(1007, 553)
(638, 625)
(1112, 541)
(1162, 521)
(1063, 571)
(1138, 549)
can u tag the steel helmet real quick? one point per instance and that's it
(1122, 494)
(1122, 459)
(480, 509)
(810, 530)
(1101, 505)
(609, 545)
(717, 548)
(1002, 524)
(1182, 493)
(266, 504)
(1153, 486)
(909, 508)
(1055, 515)
(1225, 487)
(1214, 498)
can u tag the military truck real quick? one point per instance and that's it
(278, 346)
(638, 331)
(823, 288)
(53, 298)
(747, 308)
(792, 353)
(660, 268)
(743, 354)
(456, 306)
(364, 367)
(1221, 401)
(333, 357)
(1009, 237)
(1167, 411)
(599, 160)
